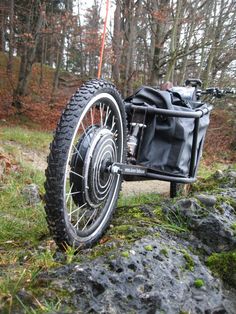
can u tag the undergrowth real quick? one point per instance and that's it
(28, 138)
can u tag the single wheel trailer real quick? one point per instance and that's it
(102, 139)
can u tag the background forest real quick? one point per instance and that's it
(148, 42)
(49, 48)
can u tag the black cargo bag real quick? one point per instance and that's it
(167, 142)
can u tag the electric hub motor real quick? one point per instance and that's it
(92, 156)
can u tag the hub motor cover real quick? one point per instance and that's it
(93, 154)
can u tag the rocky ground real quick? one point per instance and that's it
(174, 256)
(185, 266)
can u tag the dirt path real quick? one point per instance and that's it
(144, 187)
(38, 160)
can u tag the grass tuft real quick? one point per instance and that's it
(29, 138)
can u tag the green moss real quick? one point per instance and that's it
(233, 227)
(98, 250)
(223, 265)
(232, 203)
(173, 228)
(125, 254)
(127, 232)
(158, 212)
(198, 283)
(148, 247)
(222, 199)
(189, 261)
(209, 184)
(135, 201)
(164, 252)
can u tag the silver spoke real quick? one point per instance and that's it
(82, 124)
(108, 111)
(68, 194)
(115, 134)
(93, 214)
(72, 193)
(77, 209)
(101, 108)
(79, 175)
(78, 221)
(91, 115)
(113, 123)
(76, 152)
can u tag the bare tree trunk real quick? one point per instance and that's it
(131, 33)
(28, 58)
(42, 61)
(116, 43)
(11, 38)
(59, 60)
(82, 63)
(158, 40)
(2, 25)
(182, 76)
(173, 43)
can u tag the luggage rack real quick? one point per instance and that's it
(138, 172)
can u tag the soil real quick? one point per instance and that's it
(36, 159)
(144, 187)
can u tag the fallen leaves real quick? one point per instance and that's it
(6, 164)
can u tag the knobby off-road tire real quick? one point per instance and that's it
(81, 193)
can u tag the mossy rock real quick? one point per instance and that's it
(148, 247)
(223, 265)
(198, 283)
(189, 261)
(211, 183)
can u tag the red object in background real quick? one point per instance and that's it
(103, 40)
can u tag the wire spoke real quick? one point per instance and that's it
(77, 174)
(68, 194)
(113, 123)
(108, 112)
(72, 193)
(78, 221)
(92, 117)
(93, 214)
(84, 129)
(115, 134)
(76, 152)
(101, 108)
(77, 209)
